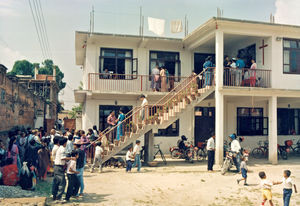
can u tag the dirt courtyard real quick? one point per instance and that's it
(181, 183)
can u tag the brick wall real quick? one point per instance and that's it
(18, 105)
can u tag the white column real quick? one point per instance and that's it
(273, 130)
(219, 98)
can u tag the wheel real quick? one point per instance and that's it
(190, 155)
(284, 155)
(225, 166)
(297, 151)
(201, 155)
(175, 154)
(257, 153)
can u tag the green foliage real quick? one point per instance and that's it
(74, 111)
(47, 68)
(22, 67)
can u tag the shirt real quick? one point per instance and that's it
(71, 165)
(136, 149)
(210, 144)
(54, 150)
(253, 66)
(207, 64)
(144, 102)
(235, 146)
(128, 155)
(60, 155)
(98, 150)
(240, 64)
(244, 165)
(69, 147)
(266, 184)
(287, 183)
(80, 159)
(111, 120)
(155, 71)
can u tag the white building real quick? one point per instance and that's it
(268, 110)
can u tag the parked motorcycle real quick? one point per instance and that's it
(228, 162)
(188, 154)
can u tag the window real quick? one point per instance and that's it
(291, 56)
(172, 130)
(250, 122)
(288, 121)
(168, 59)
(105, 110)
(117, 61)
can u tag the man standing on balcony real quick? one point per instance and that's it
(207, 67)
(111, 121)
(155, 78)
(144, 107)
(240, 64)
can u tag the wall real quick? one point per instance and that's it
(18, 106)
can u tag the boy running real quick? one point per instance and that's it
(244, 171)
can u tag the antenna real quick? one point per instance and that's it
(219, 12)
(186, 26)
(141, 28)
(272, 18)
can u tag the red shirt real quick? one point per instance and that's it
(10, 175)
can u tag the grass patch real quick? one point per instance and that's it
(43, 188)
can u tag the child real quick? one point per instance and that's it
(266, 188)
(287, 187)
(98, 157)
(128, 159)
(73, 181)
(244, 171)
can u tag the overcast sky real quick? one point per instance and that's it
(18, 38)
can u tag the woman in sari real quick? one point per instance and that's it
(121, 117)
(163, 78)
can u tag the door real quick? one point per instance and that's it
(199, 59)
(204, 123)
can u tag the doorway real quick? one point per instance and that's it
(199, 59)
(204, 123)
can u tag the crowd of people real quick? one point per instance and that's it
(161, 80)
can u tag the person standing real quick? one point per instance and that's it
(208, 70)
(98, 157)
(211, 152)
(128, 159)
(80, 163)
(163, 80)
(155, 78)
(121, 117)
(236, 149)
(143, 114)
(136, 154)
(252, 72)
(59, 181)
(111, 121)
(73, 182)
(240, 64)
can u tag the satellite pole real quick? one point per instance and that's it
(141, 22)
(93, 18)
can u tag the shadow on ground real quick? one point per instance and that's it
(88, 198)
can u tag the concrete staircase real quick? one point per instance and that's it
(171, 107)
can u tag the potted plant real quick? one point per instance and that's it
(140, 123)
(147, 121)
(127, 131)
(123, 138)
(193, 96)
(134, 127)
(157, 119)
(152, 120)
(187, 100)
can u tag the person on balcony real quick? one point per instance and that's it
(144, 104)
(111, 121)
(121, 117)
(240, 64)
(227, 75)
(207, 67)
(163, 80)
(106, 74)
(155, 78)
(253, 73)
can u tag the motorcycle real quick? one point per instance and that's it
(228, 162)
(188, 154)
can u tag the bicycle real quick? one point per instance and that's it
(296, 148)
(201, 153)
(157, 146)
(261, 151)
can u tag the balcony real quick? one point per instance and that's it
(127, 82)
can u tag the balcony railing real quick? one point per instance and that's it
(247, 77)
(130, 83)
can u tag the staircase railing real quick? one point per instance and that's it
(138, 117)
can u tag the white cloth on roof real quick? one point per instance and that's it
(176, 26)
(157, 26)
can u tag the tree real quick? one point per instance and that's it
(47, 68)
(74, 111)
(22, 67)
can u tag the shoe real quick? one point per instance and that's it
(246, 184)
(238, 181)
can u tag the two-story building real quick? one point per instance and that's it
(264, 108)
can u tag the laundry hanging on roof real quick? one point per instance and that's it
(157, 26)
(176, 26)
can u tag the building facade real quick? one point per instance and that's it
(259, 104)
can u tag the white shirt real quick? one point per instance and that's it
(243, 165)
(235, 146)
(287, 183)
(266, 184)
(71, 165)
(60, 154)
(145, 102)
(128, 155)
(69, 147)
(136, 149)
(98, 150)
(54, 150)
(210, 144)
(95, 133)
(52, 137)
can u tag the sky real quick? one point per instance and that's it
(19, 40)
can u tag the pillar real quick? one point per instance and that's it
(219, 98)
(273, 158)
(149, 146)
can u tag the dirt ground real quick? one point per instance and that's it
(182, 183)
